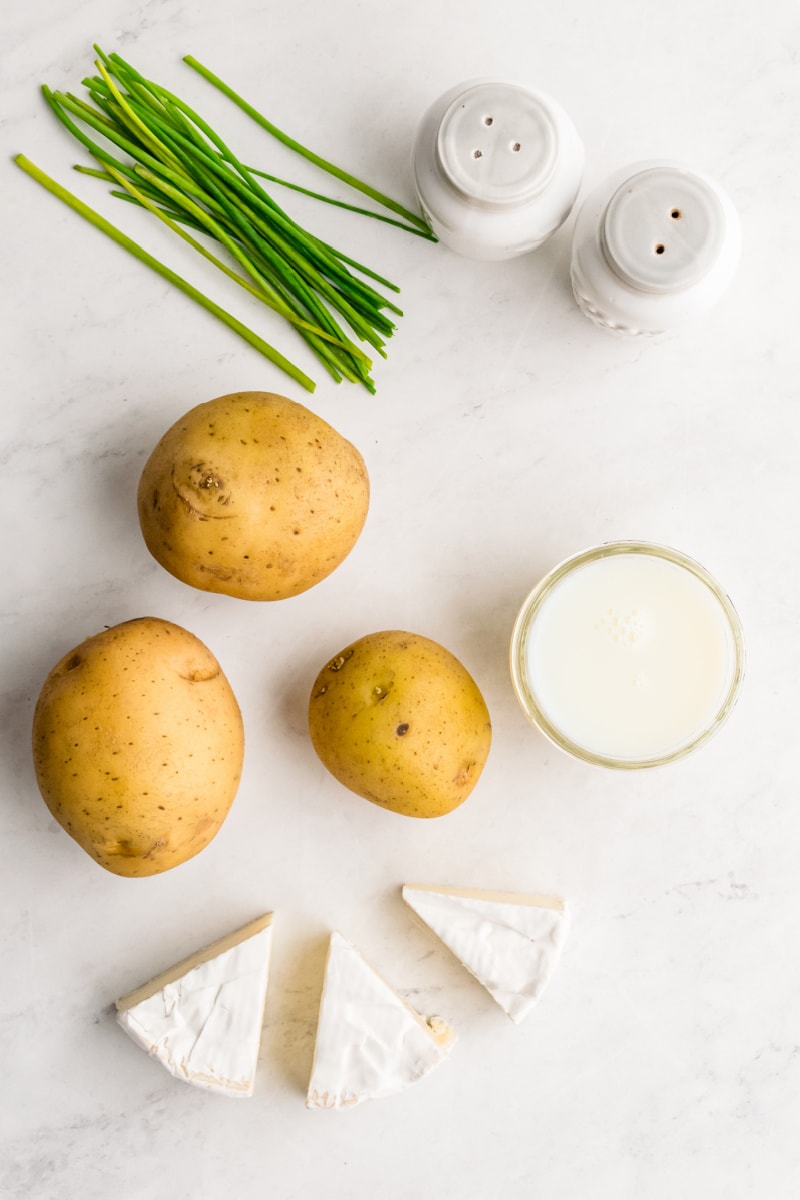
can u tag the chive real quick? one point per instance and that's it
(424, 231)
(94, 218)
(269, 255)
(330, 167)
(261, 294)
(137, 127)
(160, 154)
(354, 208)
(265, 203)
(335, 336)
(246, 172)
(277, 240)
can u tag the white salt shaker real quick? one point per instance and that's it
(497, 168)
(653, 246)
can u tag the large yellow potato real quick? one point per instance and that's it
(397, 719)
(138, 746)
(252, 495)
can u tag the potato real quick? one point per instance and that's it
(138, 746)
(397, 719)
(252, 495)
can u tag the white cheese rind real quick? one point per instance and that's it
(510, 943)
(369, 1043)
(204, 1025)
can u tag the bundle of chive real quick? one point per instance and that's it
(180, 170)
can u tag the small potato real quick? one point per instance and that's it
(397, 719)
(252, 495)
(138, 746)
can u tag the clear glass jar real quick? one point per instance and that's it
(627, 655)
(497, 168)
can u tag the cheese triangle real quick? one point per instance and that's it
(511, 943)
(369, 1042)
(202, 1018)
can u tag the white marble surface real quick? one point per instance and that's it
(664, 1060)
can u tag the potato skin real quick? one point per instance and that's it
(396, 718)
(138, 746)
(252, 495)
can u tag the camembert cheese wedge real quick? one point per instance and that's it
(511, 943)
(369, 1043)
(202, 1018)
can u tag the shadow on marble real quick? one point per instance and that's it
(287, 1043)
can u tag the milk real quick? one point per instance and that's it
(628, 657)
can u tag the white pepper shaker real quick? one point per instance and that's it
(497, 168)
(655, 245)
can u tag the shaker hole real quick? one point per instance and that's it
(488, 120)
(676, 214)
(660, 248)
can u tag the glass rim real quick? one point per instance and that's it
(533, 602)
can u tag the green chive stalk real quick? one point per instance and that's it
(95, 218)
(318, 161)
(159, 154)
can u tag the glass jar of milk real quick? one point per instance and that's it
(627, 655)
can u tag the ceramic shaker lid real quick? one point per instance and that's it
(663, 230)
(497, 144)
